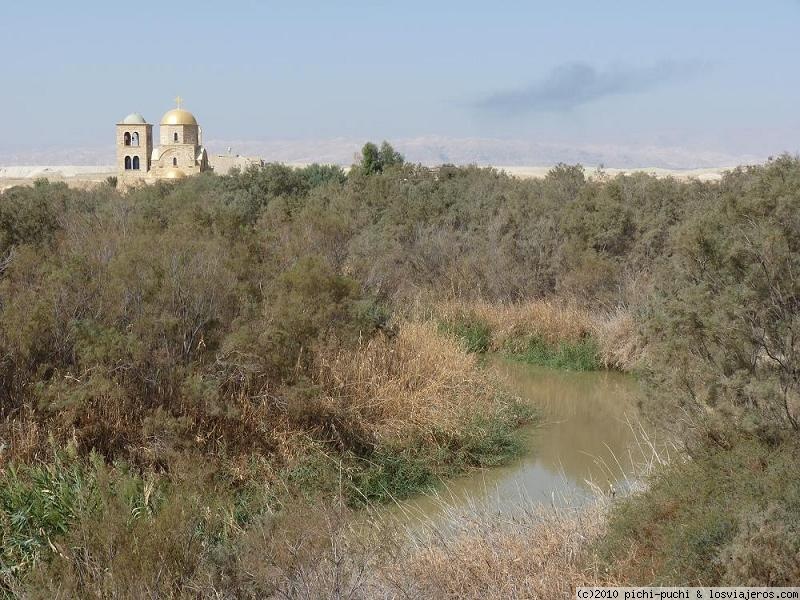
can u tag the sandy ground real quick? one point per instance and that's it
(74, 176)
(88, 176)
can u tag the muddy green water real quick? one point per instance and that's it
(584, 439)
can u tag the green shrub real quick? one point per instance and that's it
(475, 335)
(730, 516)
(766, 550)
(392, 473)
(42, 503)
(493, 440)
(39, 503)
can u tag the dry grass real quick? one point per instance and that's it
(418, 381)
(551, 321)
(469, 553)
(618, 340)
(538, 552)
(555, 322)
(22, 436)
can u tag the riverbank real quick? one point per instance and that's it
(389, 417)
(689, 521)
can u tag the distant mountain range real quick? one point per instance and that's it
(429, 150)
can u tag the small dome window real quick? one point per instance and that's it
(175, 137)
(174, 161)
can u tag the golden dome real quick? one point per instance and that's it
(174, 173)
(178, 116)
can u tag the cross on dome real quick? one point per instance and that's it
(179, 101)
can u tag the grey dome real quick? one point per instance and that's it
(134, 119)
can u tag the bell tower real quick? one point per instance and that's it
(134, 146)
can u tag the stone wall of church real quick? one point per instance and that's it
(142, 151)
(187, 134)
(180, 156)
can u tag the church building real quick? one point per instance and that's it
(180, 151)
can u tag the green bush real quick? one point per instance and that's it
(43, 502)
(391, 473)
(475, 335)
(731, 516)
(723, 319)
(38, 504)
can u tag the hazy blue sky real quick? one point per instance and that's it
(705, 74)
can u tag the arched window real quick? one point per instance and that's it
(135, 163)
(127, 138)
(175, 137)
(127, 163)
(174, 161)
(135, 139)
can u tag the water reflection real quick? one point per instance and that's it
(584, 436)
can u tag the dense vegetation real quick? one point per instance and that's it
(186, 368)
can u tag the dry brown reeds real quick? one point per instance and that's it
(548, 320)
(469, 552)
(618, 340)
(417, 381)
(536, 552)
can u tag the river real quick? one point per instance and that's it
(584, 441)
